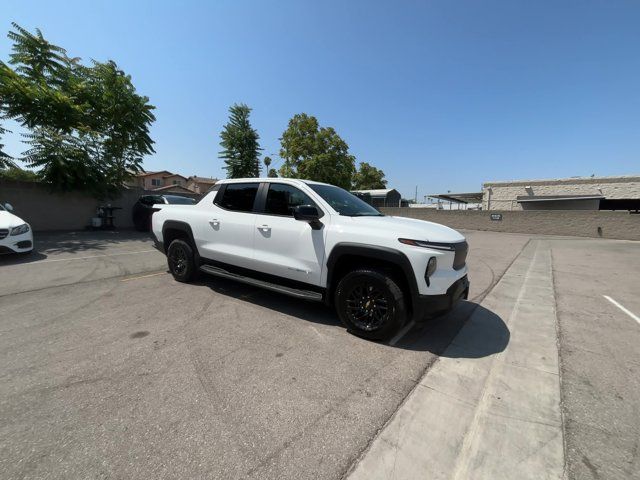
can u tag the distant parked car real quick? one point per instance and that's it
(143, 208)
(15, 234)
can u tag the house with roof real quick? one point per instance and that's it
(200, 185)
(157, 180)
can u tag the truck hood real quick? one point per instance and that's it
(411, 228)
(8, 220)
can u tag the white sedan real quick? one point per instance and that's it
(15, 234)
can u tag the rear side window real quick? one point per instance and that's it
(177, 200)
(283, 199)
(239, 197)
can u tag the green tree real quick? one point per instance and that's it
(271, 172)
(17, 173)
(315, 153)
(5, 160)
(368, 177)
(239, 141)
(88, 128)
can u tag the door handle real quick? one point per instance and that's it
(215, 222)
(264, 228)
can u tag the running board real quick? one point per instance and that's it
(293, 292)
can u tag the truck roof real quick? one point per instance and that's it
(270, 179)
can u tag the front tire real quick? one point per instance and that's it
(371, 304)
(181, 261)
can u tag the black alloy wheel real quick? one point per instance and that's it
(181, 261)
(371, 304)
(367, 306)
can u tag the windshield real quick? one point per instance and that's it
(344, 202)
(176, 200)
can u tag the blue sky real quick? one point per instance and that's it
(439, 94)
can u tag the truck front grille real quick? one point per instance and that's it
(3, 233)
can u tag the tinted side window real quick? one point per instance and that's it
(177, 200)
(283, 199)
(151, 200)
(239, 197)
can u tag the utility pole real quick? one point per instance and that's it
(415, 199)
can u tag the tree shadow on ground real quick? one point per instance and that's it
(89, 241)
(48, 243)
(485, 333)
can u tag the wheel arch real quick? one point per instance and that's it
(173, 229)
(346, 256)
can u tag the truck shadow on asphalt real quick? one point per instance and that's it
(486, 335)
(20, 258)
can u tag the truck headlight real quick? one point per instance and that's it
(432, 266)
(449, 247)
(20, 229)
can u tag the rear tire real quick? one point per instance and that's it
(181, 261)
(371, 304)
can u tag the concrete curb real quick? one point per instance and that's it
(480, 416)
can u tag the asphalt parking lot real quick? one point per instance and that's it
(110, 369)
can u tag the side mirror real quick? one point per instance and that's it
(308, 213)
(9, 207)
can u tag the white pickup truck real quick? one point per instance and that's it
(317, 242)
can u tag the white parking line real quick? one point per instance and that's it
(88, 257)
(402, 333)
(628, 312)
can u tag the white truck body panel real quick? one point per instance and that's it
(291, 249)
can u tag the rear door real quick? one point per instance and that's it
(227, 234)
(284, 246)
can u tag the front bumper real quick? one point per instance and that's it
(426, 306)
(17, 243)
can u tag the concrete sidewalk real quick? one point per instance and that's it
(485, 417)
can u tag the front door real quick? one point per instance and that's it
(284, 246)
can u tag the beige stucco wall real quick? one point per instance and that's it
(581, 223)
(145, 181)
(503, 195)
(199, 187)
(180, 180)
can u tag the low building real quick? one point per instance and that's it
(388, 197)
(454, 201)
(200, 184)
(576, 193)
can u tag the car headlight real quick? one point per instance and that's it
(20, 229)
